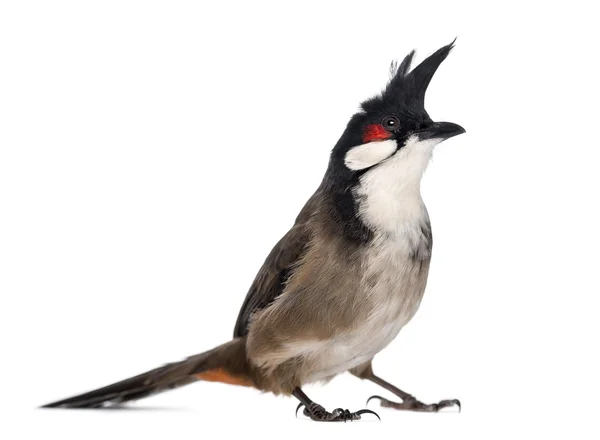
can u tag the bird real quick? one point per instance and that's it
(349, 274)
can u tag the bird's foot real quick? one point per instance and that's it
(319, 414)
(413, 404)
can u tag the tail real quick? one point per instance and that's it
(227, 363)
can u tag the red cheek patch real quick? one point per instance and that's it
(375, 132)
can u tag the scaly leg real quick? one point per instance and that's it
(409, 402)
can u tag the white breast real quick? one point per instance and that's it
(389, 194)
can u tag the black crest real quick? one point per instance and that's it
(409, 86)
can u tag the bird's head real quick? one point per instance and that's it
(394, 125)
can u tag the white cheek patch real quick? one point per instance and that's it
(366, 155)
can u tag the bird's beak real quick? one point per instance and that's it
(441, 130)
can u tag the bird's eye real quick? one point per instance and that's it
(391, 123)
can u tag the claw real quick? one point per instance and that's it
(347, 415)
(449, 403)
(368, 411)
(300, 405)
(337, 415)
(457, 403)
(374, 397)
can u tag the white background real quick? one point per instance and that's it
(151, 153)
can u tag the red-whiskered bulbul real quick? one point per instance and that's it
(348, 275)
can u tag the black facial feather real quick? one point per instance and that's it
(404, 98)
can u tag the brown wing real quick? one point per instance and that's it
(271, 277)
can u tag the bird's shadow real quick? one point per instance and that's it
(146, 408)
(129, 409)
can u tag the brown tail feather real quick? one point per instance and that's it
(226, 363)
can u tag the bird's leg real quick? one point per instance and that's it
(317, 413)
(408, 402)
